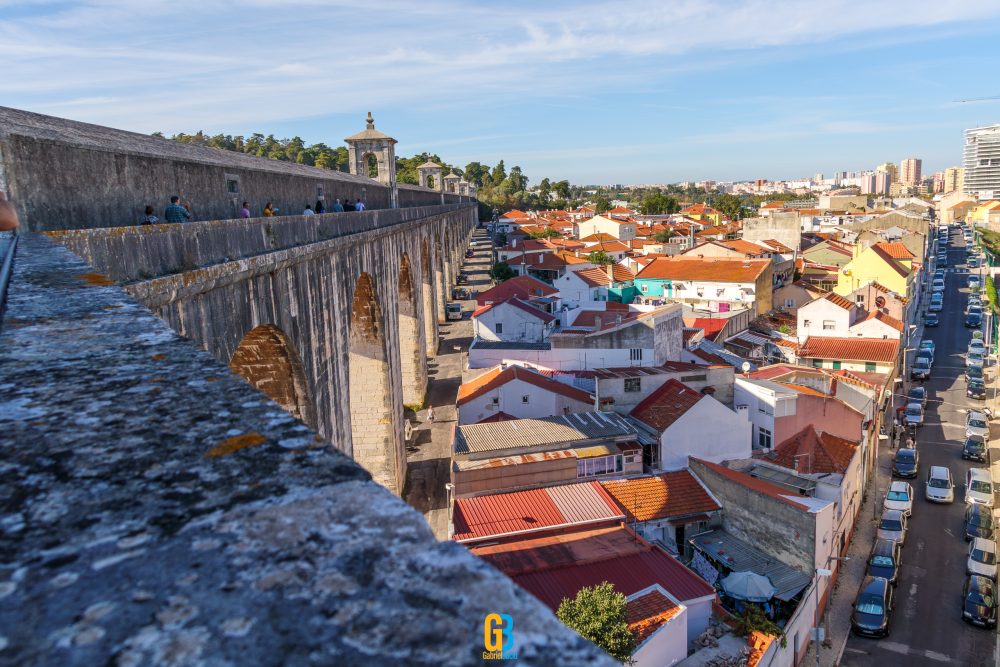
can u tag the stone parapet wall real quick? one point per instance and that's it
(160, 511)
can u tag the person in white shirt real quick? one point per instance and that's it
(359, 206)
(308, 211)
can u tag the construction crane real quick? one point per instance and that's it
(976, 99)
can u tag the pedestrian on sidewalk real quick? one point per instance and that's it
(430, 414)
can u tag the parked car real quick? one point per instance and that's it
(939, 273)
(905, 463)
(931, 320)
(892, 526)
(979, 522)
(921, 370)
(976, 388)
(453, 311)
(973, 320)
(899, 497)
(973, 262)
(884, 560)
(925, 354)
(976, 424)
(872, 608)
(928, 344)
(978, 487)
(974, 373)
(942, 260)
(917, 395)
(979, 601)
(913, 417)
(937, 286)
(939, 487)
(976, 449)
(973, 281)
(974, 309)
(982, 558)
(974, 359)
(936, 306)
(977, 345)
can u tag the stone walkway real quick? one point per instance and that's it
(429, 458)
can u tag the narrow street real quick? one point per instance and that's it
(927, 626)
(429, 457)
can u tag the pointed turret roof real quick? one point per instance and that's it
(370, 132)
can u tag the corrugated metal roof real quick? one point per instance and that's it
(583, 502)
(536, 432)
(740, 556)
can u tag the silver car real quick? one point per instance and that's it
(977, 345)
(914, 415)
(976, 424)
(892, 526)
(982, 558)
(974, 360)
(899, 497)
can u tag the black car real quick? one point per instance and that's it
(973, 320)
(872, 608)
(921, 370)
(979, 601)
(974, 373)
(917, 395)
(976, 389)
(884, 560)
(978, 522)
(931, 320)
(905, 463)
(975, 449)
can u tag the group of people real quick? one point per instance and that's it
(178, 211)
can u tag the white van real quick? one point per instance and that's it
(939, 487)
(979, 487)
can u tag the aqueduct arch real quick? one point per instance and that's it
(267, 360)
(413, 363)
(427, 295)
(372, 436)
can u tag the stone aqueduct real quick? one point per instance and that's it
(336, 330)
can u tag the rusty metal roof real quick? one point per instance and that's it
(559, 431)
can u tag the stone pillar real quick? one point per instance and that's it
(371, 142)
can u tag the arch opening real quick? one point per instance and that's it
(412, 361)
(372, 434)
(427, 295)
(371, 160)
(267, 360)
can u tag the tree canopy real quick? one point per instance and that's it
(598, 614)
(656, 203)
(600, 258)
(730, 205)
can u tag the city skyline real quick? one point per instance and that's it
(575, 92)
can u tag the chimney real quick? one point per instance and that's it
(743, 411)
(618, 319)
(611, 271)
(513, 242)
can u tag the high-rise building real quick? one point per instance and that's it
(883, 182)
(954, 179)
(867, 183)
(888, 168)
(909, 171)
(937, 182)
(982, 162)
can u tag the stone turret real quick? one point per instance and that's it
(371, 143)
(430, 170)
(451, 183)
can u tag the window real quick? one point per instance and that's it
(829, 325)
(599, 465)
(499, 327)
(635, 354)
(232, 184)
(694, 378)
(644, 287)
(631, 458)
(859, 298)
(817, 363)
(869, 366)
(805, 323)
(319, 192)
(836, 365)
(525, 399)
(763, 438)
(496, 400)
(633, 384)
(701, 291)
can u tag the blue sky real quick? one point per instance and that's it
(596, 92)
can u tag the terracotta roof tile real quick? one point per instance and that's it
(717, 269)
(896, 250)
(887, 319)
(597, 238)
(838, 300)
(599, 276)
(498, 377)
(810, 452)
(520, 305)
(522, 287)
(666, 405)
(667, 495)
(888, 259)
(647, 614)
(850, 349)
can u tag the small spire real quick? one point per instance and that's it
(371, 121)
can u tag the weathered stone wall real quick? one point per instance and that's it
(784, 227)
(157, 510)
(63, 174)
(306, 290)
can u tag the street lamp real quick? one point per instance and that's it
(824, 572)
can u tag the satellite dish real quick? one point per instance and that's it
(880, 301)
(746, 366)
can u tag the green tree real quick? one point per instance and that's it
(754, 619)
(600, 258)
(501, 272)
(656, 203)
(562, 189)
(475, 172)
(546, 233)
(664, 235)
(499, 174)
(602, 204)
(730, 205)
(598, 614)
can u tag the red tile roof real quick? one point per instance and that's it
(715, 269)
(606, 246)
(498, 377)
(698, 209)
(838, 300)
(850, 349)
(888, 259)
(710, 325)
(810, 452)
(667, 495)
(647, 614)
(520, 305)
(514, 214)
(597, 237)
(776, 245)
(745, 247)
(599, 275)
(896, 250)
(522, 287)
(558, 566)
(887, 319)
(489, 516)
(754, 484)
(622, 209)
(588, 318)
(666, 405)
